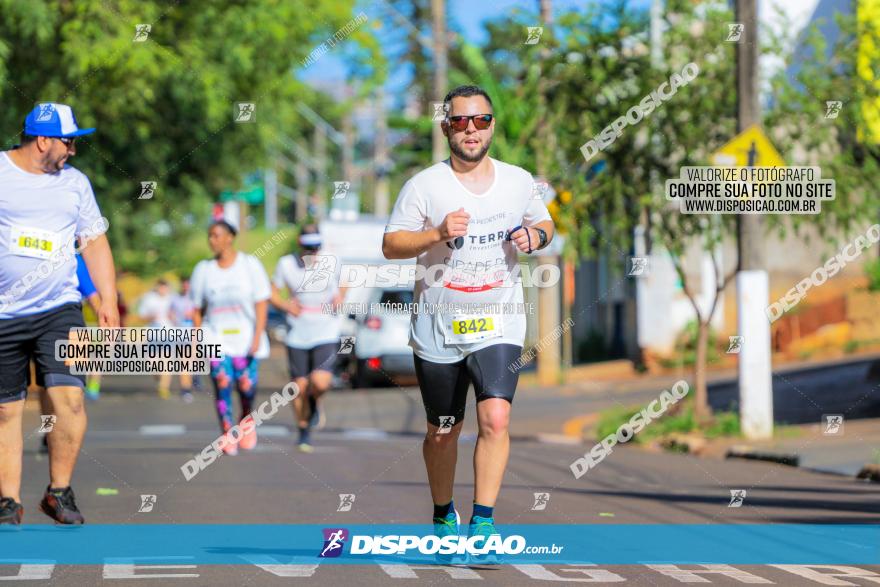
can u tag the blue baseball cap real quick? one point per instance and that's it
(53, 120)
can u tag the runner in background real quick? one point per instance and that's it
(155, 308)
(182, 309)
(231, 295)
(312, 282)
(121, 307)
(93, 381)
(90, 295)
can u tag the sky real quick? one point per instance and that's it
(471, 15)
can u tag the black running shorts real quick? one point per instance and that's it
(318, 358)
(444, 386)
(33, 337)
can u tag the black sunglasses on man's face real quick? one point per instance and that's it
(481, 121)
(66, 141)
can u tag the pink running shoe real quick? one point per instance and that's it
(231, 446)
(248, 439)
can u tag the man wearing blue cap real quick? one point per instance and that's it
(44, 206)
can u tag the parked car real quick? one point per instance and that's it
(381, 347)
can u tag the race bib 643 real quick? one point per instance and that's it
(33, 242)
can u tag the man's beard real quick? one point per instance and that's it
(54, 165)
(461, 154)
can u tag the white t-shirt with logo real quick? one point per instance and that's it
(40, 216)
(313, 286)
(228, 297)
(482, 267)
(157, 309)
(181, 310)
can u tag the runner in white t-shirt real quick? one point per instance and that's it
(155, 308)
(231, 294)
(313, 333)
(182, 308)
(45, 204)
(470, 215)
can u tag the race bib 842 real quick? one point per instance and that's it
(468, 329)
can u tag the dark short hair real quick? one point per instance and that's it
(466, 92)
(225, 225)
(27, 139)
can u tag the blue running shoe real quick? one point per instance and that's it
(448, 526)
(315, 417)
(480, 526)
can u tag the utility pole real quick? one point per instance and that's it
(438, 14)
(323, 131)
(270, 190)
(302, 190)
(550, 314)
(348, 171)
(656, 33)
(752, 284)
(320, 149)
(381, 164)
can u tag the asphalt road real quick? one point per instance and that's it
(370, 448)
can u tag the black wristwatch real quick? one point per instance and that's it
(542, 238)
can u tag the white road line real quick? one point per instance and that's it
(266, 430)
(558, 439)
(163, 430)
(366, 434)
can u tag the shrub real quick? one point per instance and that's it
(680, 422)
(872, 272)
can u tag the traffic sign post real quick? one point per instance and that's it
(752, 148)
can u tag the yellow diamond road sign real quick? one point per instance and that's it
(750, 147)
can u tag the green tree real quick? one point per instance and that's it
(701, 118)
(163, 107)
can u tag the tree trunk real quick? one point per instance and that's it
(702, 411)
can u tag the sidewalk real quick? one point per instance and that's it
(803, 393)
(845, 452)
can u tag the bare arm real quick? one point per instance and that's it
(262, 312)
(277, 300)
(291, 306)
(94, 301)
(99, 262)
(406, 244)
(339, 298)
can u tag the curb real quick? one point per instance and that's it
(746, 453)
(870, 473)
